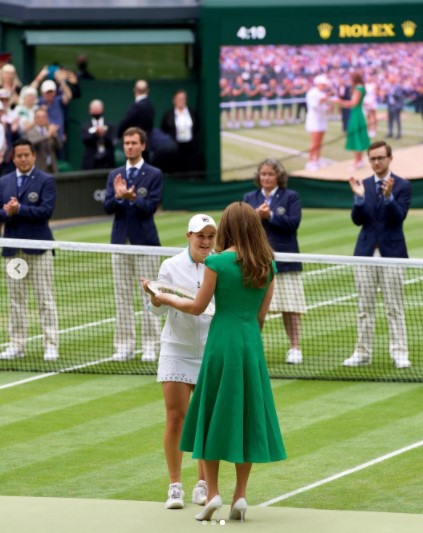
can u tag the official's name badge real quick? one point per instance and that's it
(280, 210)
(33, 197)
(142, 191)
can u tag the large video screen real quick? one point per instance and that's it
(263, 90)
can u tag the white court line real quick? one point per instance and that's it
(342, 474)
(271, 146)
(49, 374)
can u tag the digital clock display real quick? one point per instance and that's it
(255, 32)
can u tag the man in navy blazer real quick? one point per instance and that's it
(140, 113)
(27, 200)
(133, 194)
(381, 204)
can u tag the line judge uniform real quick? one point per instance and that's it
(134, 224)
(281, 231)
(381, 235)
(36, 193)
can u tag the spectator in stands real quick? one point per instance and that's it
(181, 124)
(182, 346)
(44, 136)
(133, 194)
(279, 209)
(225, 98)
(9, 81)
(3, 141)
(381, 203)
(27, 199)
(10, 124)
(316, 120)
(98, 136)
(26, 108)
(55, 101)
(82, 72)
(141, 113)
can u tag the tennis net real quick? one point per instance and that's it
(85, 302)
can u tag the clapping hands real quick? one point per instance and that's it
(121, 190)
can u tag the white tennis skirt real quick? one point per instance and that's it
(183, 369)
(288, 296)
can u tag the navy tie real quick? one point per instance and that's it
(132, 172)
(379, 193)
(21, 180)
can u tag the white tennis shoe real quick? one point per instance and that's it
(148, 358)
(122, 356)
(175, 496)
(402, 362)
(11, 353)
(199, 493)
(357, 360)
(294, 357)
(51, 354)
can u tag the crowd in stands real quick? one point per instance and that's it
(39, 111)
(279, 77)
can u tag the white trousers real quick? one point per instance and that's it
(127, 272)
(40, 276)
(390, 280)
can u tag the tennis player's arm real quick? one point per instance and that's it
(202, 299)
(265, 304)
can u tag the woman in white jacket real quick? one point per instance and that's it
(181, 350)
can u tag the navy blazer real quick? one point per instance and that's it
(134, 222)
(381, 225)
(139, 114)
(281, 231)
(37, 199)
(90, 140)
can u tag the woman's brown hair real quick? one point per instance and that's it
(240, 226)
(277, 167)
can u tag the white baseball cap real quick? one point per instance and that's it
(321, 79)
(199, 222)
(48, 85)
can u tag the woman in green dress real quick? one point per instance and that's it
(357, 135)
(232, 415)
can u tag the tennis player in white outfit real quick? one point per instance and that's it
(181, 350)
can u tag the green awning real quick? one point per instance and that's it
(93, 37)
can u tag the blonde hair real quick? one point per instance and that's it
(8, 67)
(240, 227)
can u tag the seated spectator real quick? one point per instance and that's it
(98, 137)
(9, 80)
(54, 100)
(25, 109)
(44, 137)
(181, 124)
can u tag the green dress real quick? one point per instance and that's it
(232, 415)
(357, 136)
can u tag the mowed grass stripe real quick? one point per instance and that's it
(64, 391)
(69, 417)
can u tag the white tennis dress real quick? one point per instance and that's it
(184, 336)
(316, 117)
